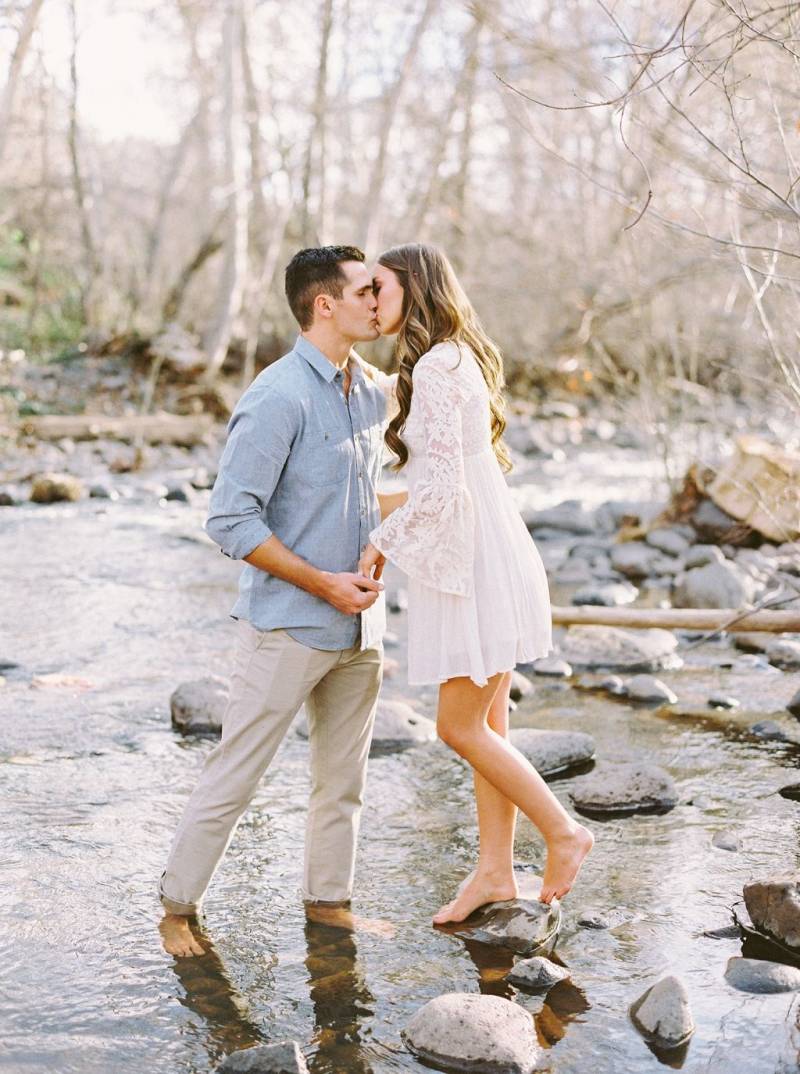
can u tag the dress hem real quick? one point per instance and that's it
(520, 659)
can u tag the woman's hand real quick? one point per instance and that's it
(371, 563)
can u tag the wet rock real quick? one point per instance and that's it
(623, 789)
(574, 572)
(751, 641)
(181, 493)
(699, 555)
(723, 701)
(56, 488)
(282, 1058)
(634, 559)
(769, 730)
(569, 516)
(793, 705)
(595, 920)
(536, 974)
(6, 664)
(784, 653)
(476, 1033)
(791, 792)
(647, 688)
(774, 907)
(397, 726)
(610, 595)
(726, 841)
(668, 540)
(725, 932)
(612, 647)
(751, 662)
(521, 686)
(611, 684)
(553, 751)
(756, 975)
(102, 490)
(7, 498)
(198, 706)
(710, 522)
(551, 665)
(662, 1014)
(717, 585)
(523, 925)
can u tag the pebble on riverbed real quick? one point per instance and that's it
(474, 1033)
(284, 1057)
(662, 1014)
(622, 789)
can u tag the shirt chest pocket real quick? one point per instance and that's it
(326, 459)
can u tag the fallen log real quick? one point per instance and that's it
(186, 430)
(730, 619)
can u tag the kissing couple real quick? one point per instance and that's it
(296, 499)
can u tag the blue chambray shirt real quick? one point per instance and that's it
(302, 461)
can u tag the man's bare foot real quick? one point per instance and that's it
(178, 938)
(479, 890)
(564, 859)
(340, 917)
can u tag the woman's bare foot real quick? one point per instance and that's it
(177, 937)
(564, 859)
(479, 890)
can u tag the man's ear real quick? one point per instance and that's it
(323, 306)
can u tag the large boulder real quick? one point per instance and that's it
(757, 975)
(588, 647)
(284, 1057)
(774, 907)
(198, 706)
(553, 751)
(662, 1014)
(622, 789)
(55, 488)
(474, 1033)
(717, 585)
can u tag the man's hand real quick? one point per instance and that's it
(371, 563)
(351, 593)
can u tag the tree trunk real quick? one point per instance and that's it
(15, 69)
(315, 150)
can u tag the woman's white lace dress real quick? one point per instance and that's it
(478, 599)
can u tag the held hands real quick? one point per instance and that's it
(371, 563)
(351, 593)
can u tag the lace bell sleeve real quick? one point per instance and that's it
(432, 536)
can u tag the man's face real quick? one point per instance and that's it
(354, 313)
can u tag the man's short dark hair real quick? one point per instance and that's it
(316, 271)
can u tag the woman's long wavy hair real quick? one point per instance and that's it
(435, 309)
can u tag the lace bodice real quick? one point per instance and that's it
(431, 537)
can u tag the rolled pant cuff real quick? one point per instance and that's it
(312, 900)
(172, 906)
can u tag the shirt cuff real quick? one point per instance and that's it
(240, 540)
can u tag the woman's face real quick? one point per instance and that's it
(389, 293)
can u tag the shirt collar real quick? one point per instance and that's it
(315, 358)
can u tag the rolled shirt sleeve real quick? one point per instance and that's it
(260, 435)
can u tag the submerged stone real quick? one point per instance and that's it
(726, 841)
(756, 975)
(474, 1033)
(769, 730)
(537, 974)
(624, 789)
(662, 1013)
(197, 706)
(282, 1058)
(553, 751)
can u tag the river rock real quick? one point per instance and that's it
(717, 585)
(793, 705)
(569, 516)
(7, 499)
(103, 490)
(623, 789)
(784, 653)
(723, 701)
(634, 559)
(55, 488)
(609, 647)
(551, 665)
(475, 1033)
(774, 907)
(536, 974)
(710, 522)
(612, 684)
(523, 925)
(198, 706)
(699, 555)
(769, 730)
(553, 751)
(751, 641)
(397, 726)
(648, 688)
(668, 540)
(662, 1014)
(757, 975)
(726, 841)
(573, 572)
(610, 595)
(282, 1058)
(521, 686)
(791, 792)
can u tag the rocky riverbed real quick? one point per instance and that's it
(111, 602)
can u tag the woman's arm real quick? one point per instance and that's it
(390, 501)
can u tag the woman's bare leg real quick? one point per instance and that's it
(462, 724)
(493, 879)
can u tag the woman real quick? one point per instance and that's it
(478, 596)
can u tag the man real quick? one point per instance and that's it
(295, 499)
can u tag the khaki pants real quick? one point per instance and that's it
(273, 676)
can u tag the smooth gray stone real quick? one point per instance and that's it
(662, 1013)
(726, 841)
(569, 516)
(589, 647)
(774, 907)
(182, 492)
(553, 751)
(284, 1057)
(769, 730)
(755, 975)
(717, 585)
(551, 665)
(101, 490)
(784, 653)
(397, 726)
(726, 932)
(470, 1032)
(523, 925)
(751, 641)
(668, 540)
(624, 789)
(521, 686)
(573, 572)
(609, 595)
(699, 555)
(537, 973)
(647, 688)
(612, 684)
(793, 705)
(634, 559)
(197, 706)
(711, 523)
